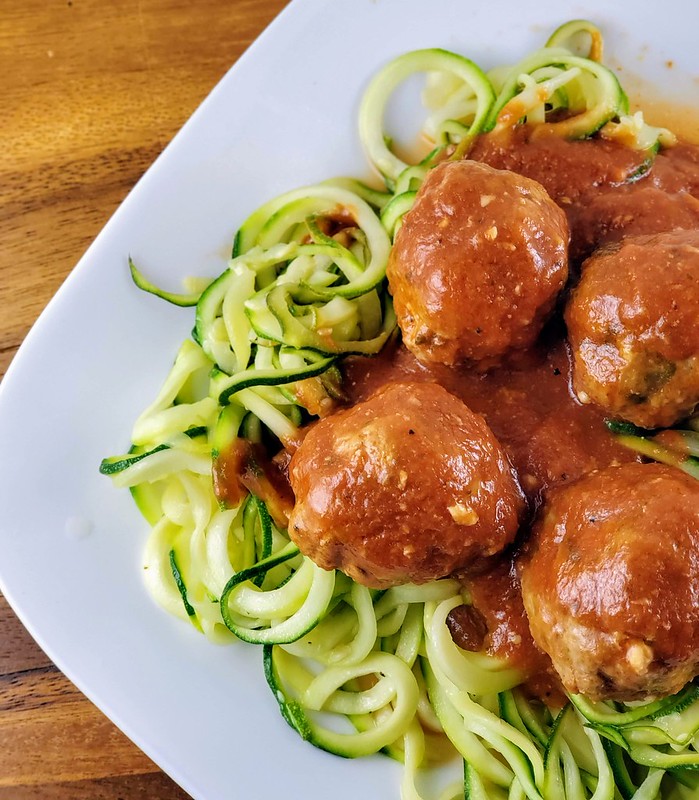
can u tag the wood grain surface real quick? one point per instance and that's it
(92, 91)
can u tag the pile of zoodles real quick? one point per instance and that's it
(358, 671)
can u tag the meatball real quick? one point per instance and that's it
(407, 486)
(633, 325)
(477, 264)
(610, 582)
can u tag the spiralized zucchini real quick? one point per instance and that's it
(357, 671)
(678, 447)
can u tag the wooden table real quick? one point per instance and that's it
(91, 92)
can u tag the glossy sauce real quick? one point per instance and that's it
(607, 192)
(406, 487)
(498, 596)
(550, 438)
(610, 581)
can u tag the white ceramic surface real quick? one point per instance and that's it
(70, 543)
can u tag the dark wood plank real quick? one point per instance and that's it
(153, 786)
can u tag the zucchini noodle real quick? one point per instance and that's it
(357, 671)
(676, 447)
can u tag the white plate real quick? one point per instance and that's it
(284, 117)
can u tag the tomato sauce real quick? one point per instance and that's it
(550, 438)
(607, 192)
(498, 595)
(528, 403)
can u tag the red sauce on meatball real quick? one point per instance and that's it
(633, 323)
(497, 594)
(549, 435)
(611, 582)
(554, 442)
(477, 264)
(407, 486)
(608, 191)
(550, 438)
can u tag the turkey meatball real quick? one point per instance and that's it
(407, 486)
(633, 325)
(611, 582)
(477, 264)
